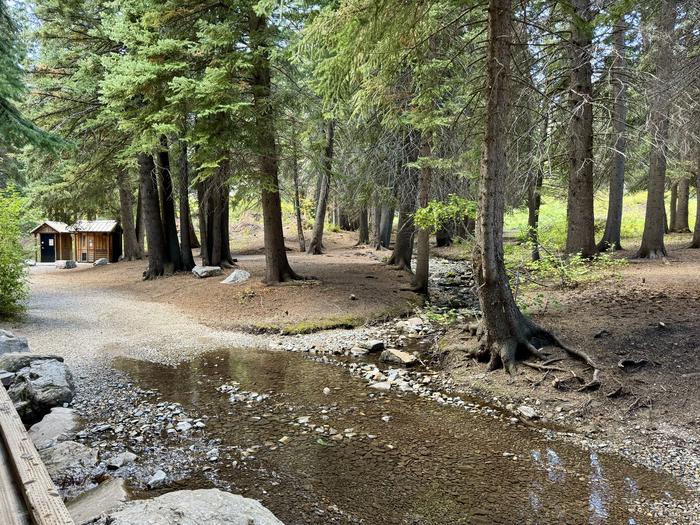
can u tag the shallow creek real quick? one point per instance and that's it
(401, 458)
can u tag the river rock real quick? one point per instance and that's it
(119, 460)
(101, 262)
(158, 479)
(57, 425)
(414, 324)
(193, 507)
(206, 271)
(10, 343)
(384, 386)
(400, 357)
(66, 265)
(237, 276)
(527, 412)
(41, 383)
(373, 345)
(69, 463)
(99, 501)
(356, 351)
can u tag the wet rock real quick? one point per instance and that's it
(527, 412)
(69, 463)
(158, 479)
(237, 276)
(6, 378)
(373, 345)
(203, 507)
(66, 265)
(57, 425)
(101, 262)
(99, 501)
(206, 271)
(41, 383)
(121, 459)
(398, 357)
(10, 343)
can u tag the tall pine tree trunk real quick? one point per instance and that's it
(168, 204)
(613, 224)
(653, 236)
(403, 247)
(297, 199)
(140, 225)
(695, 243)
(579, 206)
(420, 279)
(534, 201)
(277, 266)
(682, 207)
(385, 225)
(157, 252)
(185, 225)
(363, 219)
(673, 208)
(316, 243)
(132, 250)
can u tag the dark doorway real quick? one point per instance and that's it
(48, 247)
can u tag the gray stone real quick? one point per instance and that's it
(206, 271)
(183, 426)
(237, 276)
(399, 357)
(69, 463)
(193, 507)
(44, 382)
(99, 501)
(119, 460)
(356, 351)
(101, 262)
(158, 479)
(6, 378)
(384, 386)
(57, 425)
(527, 412)
(10, 343)
(66, 265)
(373, 345)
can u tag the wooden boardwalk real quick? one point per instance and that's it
(27, 494)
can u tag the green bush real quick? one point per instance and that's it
(13, 274)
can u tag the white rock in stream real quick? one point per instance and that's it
(398, 356)
(58, 425)
(102, 499)
(158, 479)
(193, 507)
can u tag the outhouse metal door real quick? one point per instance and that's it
(48, 247)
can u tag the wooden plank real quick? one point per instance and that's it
(12, 509)
(41, 497)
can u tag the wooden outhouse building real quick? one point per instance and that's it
(84, 241)
(53, 241)
(97, 240)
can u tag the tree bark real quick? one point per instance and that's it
(420, 279)
(682, 207)
(579, 209)
(653, 237)
(443, 237)
(157, 252)
(613, 224)
(297, 200)
(316, 244)
(168, 203)
(673, 208)
(186, 228)
(194, 242)
(695, 243)
(534, 201)
(363, 234)
(140, 226)
(408, 190)
(376, 225)
(132, 250)
(385, 226)
(277, 268)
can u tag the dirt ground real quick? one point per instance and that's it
(648, 319)
(350, 286)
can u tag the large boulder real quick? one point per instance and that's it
(10, 343)
(41, 383)
(207, 271)
(99, 501)
(69, 463)
(57, 425)
(398, 357)
(237, 276)
(66, 265)
(193, 507)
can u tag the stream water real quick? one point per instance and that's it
(384, 458)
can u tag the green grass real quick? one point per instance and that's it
(552, 228)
